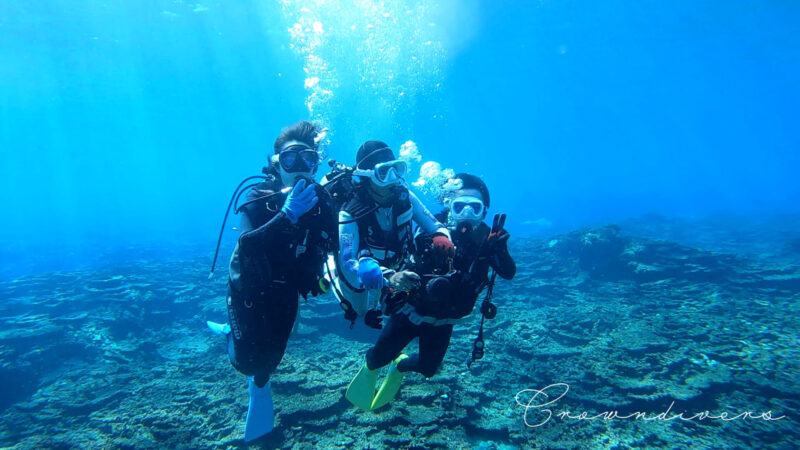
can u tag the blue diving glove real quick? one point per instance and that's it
(369, 273)
(299, 201)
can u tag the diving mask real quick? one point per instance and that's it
(466, 208)
(298, 158)
(385, 173)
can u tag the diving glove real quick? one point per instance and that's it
(300, 200)
(369, 273)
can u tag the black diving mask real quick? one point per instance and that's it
(298, 158)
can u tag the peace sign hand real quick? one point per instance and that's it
(498, 237)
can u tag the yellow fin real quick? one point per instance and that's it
(362, 389)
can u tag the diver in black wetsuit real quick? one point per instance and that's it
(448, 289)
(287, 229)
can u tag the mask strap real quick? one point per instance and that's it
(358, 163)
(302, 144)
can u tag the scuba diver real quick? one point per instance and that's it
(287, 228)
(447, 291)
(375, 241)
(375, 230)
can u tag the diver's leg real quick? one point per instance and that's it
(433, 343)
(401, 327)
(248, 354)
(396, 334)
(248, 333)
(280, 312)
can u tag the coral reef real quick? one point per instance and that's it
(120, 357)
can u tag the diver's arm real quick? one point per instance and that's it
(425, 219)
(503, 264)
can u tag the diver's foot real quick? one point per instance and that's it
(260, 414)
(222, 329)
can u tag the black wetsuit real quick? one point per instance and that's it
(274, 262)
(471, 263)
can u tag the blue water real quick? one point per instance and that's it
(131, 122)
(126, 125)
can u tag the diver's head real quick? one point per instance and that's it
(377, 165)
(296, 153)
(469, 203)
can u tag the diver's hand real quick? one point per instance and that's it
(300, 201)
(498, 237)
(370, 274)
(442, 243)
(373, 319)
(404, 281)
